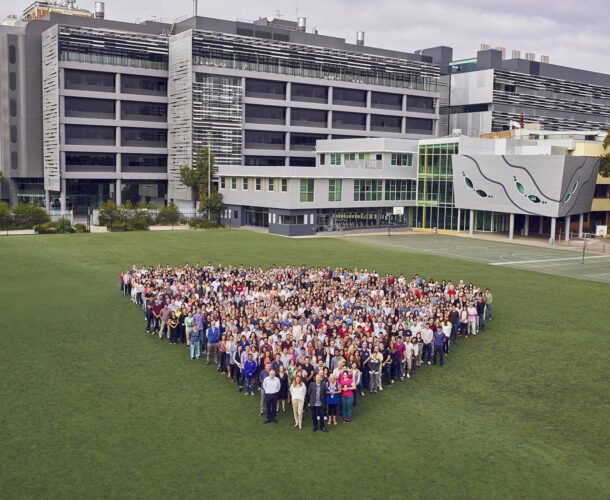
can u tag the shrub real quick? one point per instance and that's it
(169, 215)
(63, 225)
(80, 228)
(109, 212)
(46, 228)
(27, 216)
(6, 217)
(204, 224)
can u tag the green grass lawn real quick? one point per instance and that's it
(93, 408)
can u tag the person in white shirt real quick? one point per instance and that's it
(271, 387)
(297, 393)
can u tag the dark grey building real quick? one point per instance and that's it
(485, 94)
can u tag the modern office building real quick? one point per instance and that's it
(491, 93)
(94, 109)
(457, 183)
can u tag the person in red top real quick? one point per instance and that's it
(347, 387)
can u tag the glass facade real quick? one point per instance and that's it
(402, 159)
(334, 189)
(435, 200)
(306, 192)
(400, 189)
(368, 190)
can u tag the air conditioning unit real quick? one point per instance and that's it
(545, 59)
(530, 56)
(516, 54)
(484, 46)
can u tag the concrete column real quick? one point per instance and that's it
(288, 91)
(117, 191)
(553, 229)
(540, 224)
(567, 228)
(526, 226)
(491, 223)
(368, 122)
(368, 99)
(511, 226)
(47, 200)
(62, 196)
(581, 220)
(403, 125)
(459, 218)
(471, 225)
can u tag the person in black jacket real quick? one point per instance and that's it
(481, 313)
(316, 395)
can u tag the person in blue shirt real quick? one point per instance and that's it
(249, 368)
(439, 341)
(213, 336)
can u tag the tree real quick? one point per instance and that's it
(213, 205)
(604, 165)
(199, 177)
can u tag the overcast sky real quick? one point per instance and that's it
(572, 32)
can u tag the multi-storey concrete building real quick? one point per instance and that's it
(101, 109)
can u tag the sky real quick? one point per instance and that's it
(572, 32)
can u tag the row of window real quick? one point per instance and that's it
(105, 82)
(396, 159)
(257, 183)
(268, 89)
(364, 190)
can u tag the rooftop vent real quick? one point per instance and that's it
(545, 59)
(503, 50)
(484, 46)
(301, 24)
(516, 54)
(360, 38)
(530, 56)
(99, 10)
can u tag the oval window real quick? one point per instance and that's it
(481, 193)
(468, 182)
(533, 198)
(574, 186)
(520, 187)
(567, 197)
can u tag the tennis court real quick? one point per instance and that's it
(561, 262)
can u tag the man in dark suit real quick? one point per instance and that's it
(316, 395)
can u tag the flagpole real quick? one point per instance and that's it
(209, 174)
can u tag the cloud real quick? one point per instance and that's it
(573, 33)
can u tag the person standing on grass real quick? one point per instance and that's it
(399, 357)
(198, 325)
(357, 376)
(164, 317)
(446, 328)
(480, 305)
(454, 318)
(297, 394)
(213, 336)
(249, 368)
(261, 378)
(346, 383)
(374, 363)
(332, 399)
(427, 336)
(188, 326)
(488, 300)
(173, 328)
(194, 343)
(316, 395)
(282, 396)
(473, 315)
(439, 346)
(271, 386)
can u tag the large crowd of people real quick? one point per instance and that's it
(318, 339)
